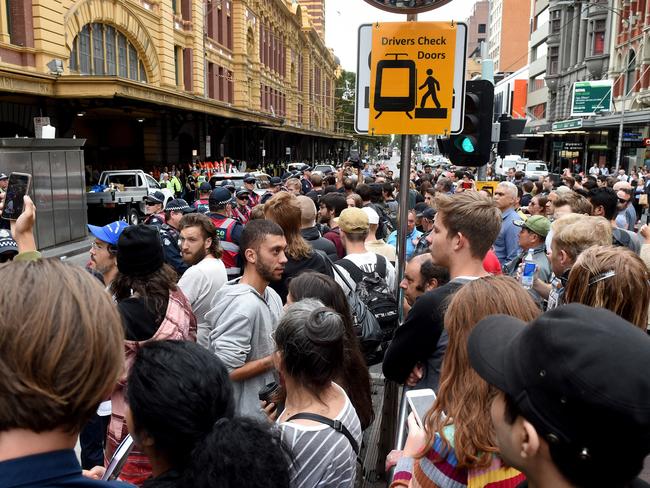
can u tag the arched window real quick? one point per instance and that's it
(102, 50)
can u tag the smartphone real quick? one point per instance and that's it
(17, 188)
(120, 456)
(420, 402)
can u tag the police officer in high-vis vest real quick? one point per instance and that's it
(228, 229)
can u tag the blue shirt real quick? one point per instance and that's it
(55, 469)
(506, 247)
(411, 241)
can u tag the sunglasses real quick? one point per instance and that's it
(151, 204)
(622, 200)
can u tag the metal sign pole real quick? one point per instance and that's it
(404, 179)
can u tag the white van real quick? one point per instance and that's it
(533, 169)
(502, 165)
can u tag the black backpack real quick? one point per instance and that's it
(373, 291)
(385, 226)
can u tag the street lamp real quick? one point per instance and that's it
(626, 63)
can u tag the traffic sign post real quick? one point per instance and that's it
(362, 102)
(412, 77)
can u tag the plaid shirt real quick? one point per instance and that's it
(179, 324)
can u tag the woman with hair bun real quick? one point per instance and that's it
(354, 376)
(310, 342)
(180, 412)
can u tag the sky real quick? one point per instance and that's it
(343, 17)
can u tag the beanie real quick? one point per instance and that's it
(139, 250)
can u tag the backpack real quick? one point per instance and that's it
(385, 226)
(372, 290)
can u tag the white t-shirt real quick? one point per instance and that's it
(200, 283)
(367, 262)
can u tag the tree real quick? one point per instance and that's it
(344, 102)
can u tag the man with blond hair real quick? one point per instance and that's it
(572, 234)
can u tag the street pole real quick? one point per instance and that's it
(626, 62)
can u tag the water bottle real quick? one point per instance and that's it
(528, 273)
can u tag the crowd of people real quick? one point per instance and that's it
(230, 336)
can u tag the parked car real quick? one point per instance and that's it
(324, 169)
(262, 184)
(120, 195)
(533, 169)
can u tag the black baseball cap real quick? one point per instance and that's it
(179, 205)
(241, 192)
(275, 181)
(228, 184)
(578, 374)
(220, 196)
(156, 197)
(249, 178)
(428, 213)
(205, 187)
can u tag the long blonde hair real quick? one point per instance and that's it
(463, 397)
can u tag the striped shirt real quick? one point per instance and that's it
(323, 457)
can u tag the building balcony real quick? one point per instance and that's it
(539, 35)
(537, 67)
(597, 65)
(552, 82)
(537, 97)
(553, 39)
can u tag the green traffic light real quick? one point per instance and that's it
(467, 145)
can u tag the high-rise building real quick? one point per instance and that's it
(508, 35)
(537, 99)
(316, 11)
(477, 28)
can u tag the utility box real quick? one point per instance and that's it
(58, 185)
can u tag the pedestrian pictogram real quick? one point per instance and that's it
(412, 77)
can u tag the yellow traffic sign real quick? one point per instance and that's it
(412, 77)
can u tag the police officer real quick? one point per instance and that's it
(154, 209)
(241, 210)
(169, 233)
(249, 184)
(202, 205)
(229, 229)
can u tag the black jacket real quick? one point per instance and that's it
(416, 340)
(316, 262)
(316, 241)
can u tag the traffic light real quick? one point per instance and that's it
(508, 143)
(473, 146)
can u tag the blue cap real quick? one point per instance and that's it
(110, 233)
(275, 181)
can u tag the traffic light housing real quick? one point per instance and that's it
(508, 143)
(472, 147)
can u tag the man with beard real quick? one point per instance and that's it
(245, 312)
(207, 274)
(103, 250)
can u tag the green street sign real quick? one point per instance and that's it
(591, 97)
(567, 124)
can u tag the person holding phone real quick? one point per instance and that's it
(46, 402)
(456, 445)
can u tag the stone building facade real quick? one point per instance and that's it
(165, 81)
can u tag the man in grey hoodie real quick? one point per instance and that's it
(245, 312)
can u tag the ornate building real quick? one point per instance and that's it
(158, 81)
